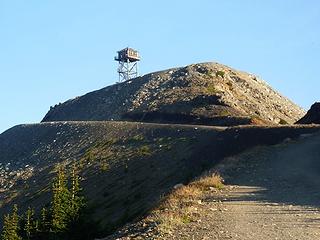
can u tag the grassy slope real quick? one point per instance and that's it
(126, 167)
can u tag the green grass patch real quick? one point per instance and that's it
(211, 89)
(186, 219)
(104, 166)
(135, 139)
(209, 74)
(283, 122)
(144, 151)
(220, 74)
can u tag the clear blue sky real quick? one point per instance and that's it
(51, 51)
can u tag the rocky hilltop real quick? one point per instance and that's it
(207, 93)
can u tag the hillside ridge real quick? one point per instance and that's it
(125, 166)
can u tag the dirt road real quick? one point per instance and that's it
(271, 193)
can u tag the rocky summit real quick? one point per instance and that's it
(207, 93)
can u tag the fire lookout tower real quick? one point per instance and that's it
(128, 63)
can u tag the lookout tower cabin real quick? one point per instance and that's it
(128, 59)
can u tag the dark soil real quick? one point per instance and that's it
(179, 118)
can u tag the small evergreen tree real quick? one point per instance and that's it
(15, 222)
(60, 206)
(28, 225)
(62, 218)
(11, 226)
(44, 223)
(76, 200)
(35, 227)
(6, 230)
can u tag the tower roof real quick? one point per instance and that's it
(127, 55)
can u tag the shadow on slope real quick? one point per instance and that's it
(288, 173)
(202, 110)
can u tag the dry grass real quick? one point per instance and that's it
(257, 121)
(210, 181)
(180, 207)
(167, 221)
(189, 192)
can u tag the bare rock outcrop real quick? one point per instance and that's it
(312, 116)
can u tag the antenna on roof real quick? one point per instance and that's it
(128, 59)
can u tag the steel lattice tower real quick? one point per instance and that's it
(128, 59)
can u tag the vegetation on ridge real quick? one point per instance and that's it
(60, 220)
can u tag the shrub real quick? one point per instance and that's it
(214, 180)
(220, 74)
(144, 151)
(138, 138)
(179, 207)
(211, 89)
(283, 122)
(209, 74)
(104, 166)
